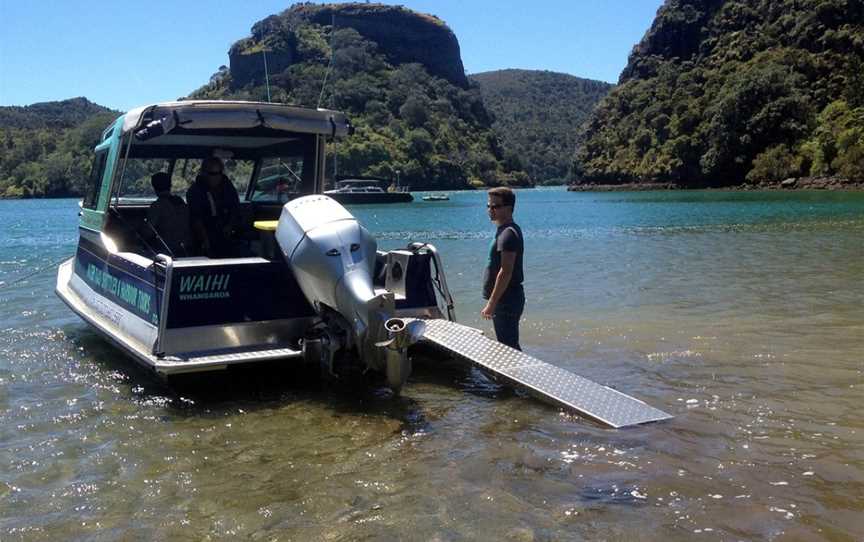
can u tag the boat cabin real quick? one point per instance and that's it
(196, 311)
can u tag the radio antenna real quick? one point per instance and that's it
(266, 74)
(330, 65)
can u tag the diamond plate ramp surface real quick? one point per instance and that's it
(543, 380)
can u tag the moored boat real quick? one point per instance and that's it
(354, 191)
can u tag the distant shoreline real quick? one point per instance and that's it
(837, 184)
(801, 183)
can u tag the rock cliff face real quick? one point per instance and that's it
(678, 31)
(403, 36)
(248, 67)
(724, 92)
(396, 73)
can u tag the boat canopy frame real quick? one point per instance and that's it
(198, 127)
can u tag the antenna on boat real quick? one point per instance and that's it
(159, 237)
(324, 85)
(266, 74)
(330, 65)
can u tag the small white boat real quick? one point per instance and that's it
(366, 191)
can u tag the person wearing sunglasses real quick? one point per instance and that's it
(213, 205)
(503, 275)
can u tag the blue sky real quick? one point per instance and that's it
(123, 53)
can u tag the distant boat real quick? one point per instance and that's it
(366, 191)
(436, 197)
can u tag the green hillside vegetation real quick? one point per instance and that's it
(428, 131)
(45, 148)
(536, 117)
(728, 92)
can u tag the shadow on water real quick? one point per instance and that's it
(433, 366)
(270, 384)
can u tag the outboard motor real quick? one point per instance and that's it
(333, 259)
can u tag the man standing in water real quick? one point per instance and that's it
(502, 280)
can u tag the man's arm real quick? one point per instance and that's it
(502, 281)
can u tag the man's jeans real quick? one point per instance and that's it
(506, 319)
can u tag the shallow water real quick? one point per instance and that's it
(740, 313)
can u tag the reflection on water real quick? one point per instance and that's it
(742, 314)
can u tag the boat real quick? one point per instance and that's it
(436, 197)
(177, 314)
(354, 191)
(307, 284)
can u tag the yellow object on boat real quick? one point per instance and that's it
(266, 225)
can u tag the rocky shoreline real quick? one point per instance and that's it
(798, 183)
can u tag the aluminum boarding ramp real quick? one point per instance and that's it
(547, 382)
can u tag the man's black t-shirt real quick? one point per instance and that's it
(215, 212)
(508, 238)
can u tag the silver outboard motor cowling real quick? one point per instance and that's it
(333, 259)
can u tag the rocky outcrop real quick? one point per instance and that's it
(678, 31)
(402, 35)
(399, 77)
(248, 67)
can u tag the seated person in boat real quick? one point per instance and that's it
(213, 206)
(169, 218)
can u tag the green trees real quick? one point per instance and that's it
(721, 92)
(432, 131)
(46, 148)
(837, 143)
(537, 114)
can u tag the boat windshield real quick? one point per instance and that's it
(135, 183)
(279, 179)
(273, 173)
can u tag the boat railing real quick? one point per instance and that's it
(168, 261)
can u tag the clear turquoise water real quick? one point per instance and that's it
(741, 313)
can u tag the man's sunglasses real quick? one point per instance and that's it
(495, 205)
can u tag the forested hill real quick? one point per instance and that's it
(723, 92)
(45, 148)
(399, 76)
(62, 114)
(537, 114)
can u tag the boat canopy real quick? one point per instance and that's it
(198, 117)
